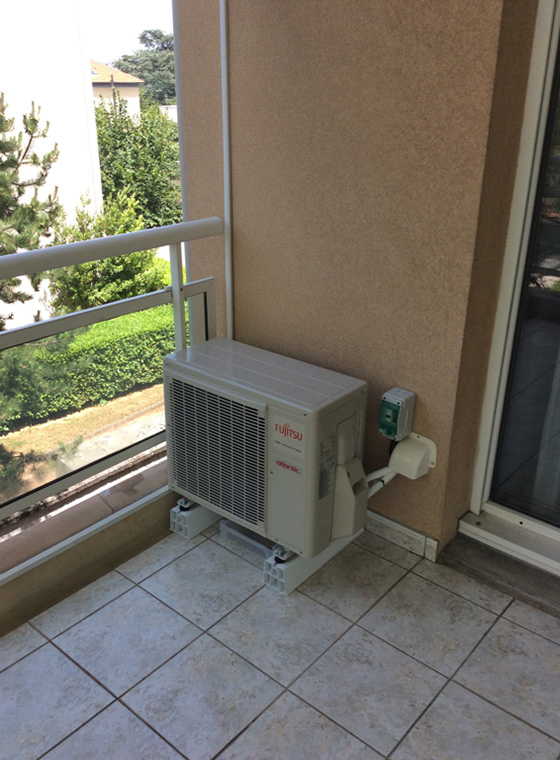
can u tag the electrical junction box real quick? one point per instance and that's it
(396, 413)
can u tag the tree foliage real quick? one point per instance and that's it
(13, 467)
(28, 375)
(87, 362)
(155, 65)
(25, 220)
(82, 286)
(141, 158)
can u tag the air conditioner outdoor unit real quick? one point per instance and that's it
(271, 443)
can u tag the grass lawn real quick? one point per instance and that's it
(46, 436)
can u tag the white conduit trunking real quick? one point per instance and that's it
(226, 154)
(412, 457)
(224, 53)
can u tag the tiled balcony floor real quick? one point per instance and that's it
(182, 653)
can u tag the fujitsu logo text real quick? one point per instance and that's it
(287, 431)
(287, 466)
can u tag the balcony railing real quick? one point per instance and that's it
(199, 295)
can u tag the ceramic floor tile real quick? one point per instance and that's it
(520, 672)
(212, 530)
(387, 550)
(18, 643)
(157, 556)
(281, 635)
(293, 730)
(127, 639)
(461, 726)
(369, 688)
(534, 619)
(202, 698)
(469, 588)
(44, 698)
(206, 583)
(79, 605)
(252, 556)
(428, 622)
(114, 734)
(352, 581)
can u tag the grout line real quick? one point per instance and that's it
(331, 645)
(362, 614)
(486, 699)
(75, 730)
(402, 651)
(284, 686)
(242, 657)
(171, 561)
(27, 654)
(83, 669)
(461, 596)
(204, 630)
(151, 728)
(530, 630)
(419, 718)
(243, 730)
(158, 667)
(80, 620)
(337, 723)
(508, 712)
(449, 678)
(166, 604)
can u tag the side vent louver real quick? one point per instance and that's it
(217, 450)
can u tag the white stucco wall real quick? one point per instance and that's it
(129, 94)
(41, 60)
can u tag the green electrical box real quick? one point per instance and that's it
(396, 413)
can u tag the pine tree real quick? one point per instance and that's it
(25, 220)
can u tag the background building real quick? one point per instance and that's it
(105, 80)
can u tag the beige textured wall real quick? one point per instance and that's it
(199, 48)
(359, 136)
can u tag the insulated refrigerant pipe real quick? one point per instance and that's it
(381, 483)
(378, 474)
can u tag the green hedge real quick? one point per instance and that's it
(107, 360)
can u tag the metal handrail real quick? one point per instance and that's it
(42, 259)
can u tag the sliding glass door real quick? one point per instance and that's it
(527, 469)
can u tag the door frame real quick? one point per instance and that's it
(500, 527)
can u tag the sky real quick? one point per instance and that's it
(110, 28)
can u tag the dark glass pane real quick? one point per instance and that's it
(527, 471)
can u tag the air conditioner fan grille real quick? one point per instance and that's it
(217, 450)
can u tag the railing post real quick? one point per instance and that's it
(177, 288)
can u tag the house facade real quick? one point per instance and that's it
(105, 80)
(52, 72)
